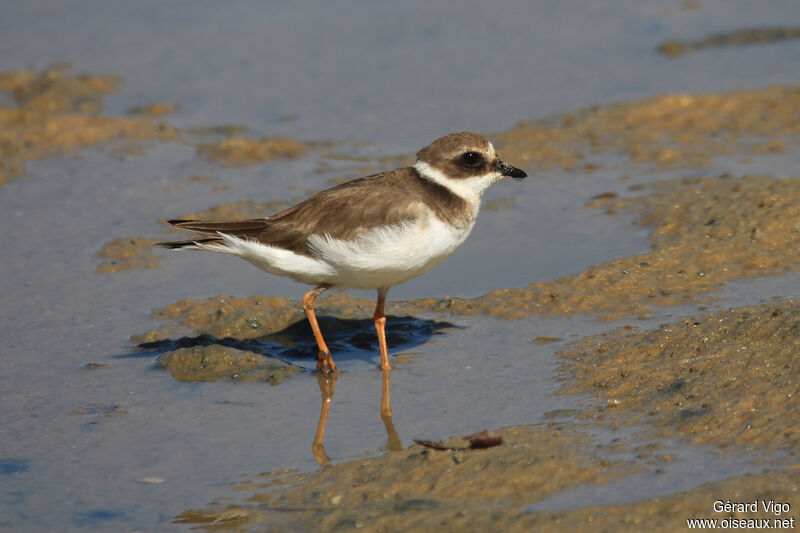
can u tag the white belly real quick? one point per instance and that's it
(380, 258)
(388, 256)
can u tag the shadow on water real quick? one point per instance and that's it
(347, 339)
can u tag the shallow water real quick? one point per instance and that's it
(394, 77)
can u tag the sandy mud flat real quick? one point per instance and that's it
(649, 366)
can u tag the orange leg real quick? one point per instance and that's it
(325, 362)
(380, 326)
(393, 443)
(327, 385)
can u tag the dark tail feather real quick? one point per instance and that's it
(240, 228)
(177, 245)
(234, 228)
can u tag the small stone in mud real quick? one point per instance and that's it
(152, 336)
(482, 440)
(675, 387)
(405, 358)
(687, 415)
(225, 130)
(95, 366)
(478, 441)
(561, 413)
(104, 410)
(541, 339)
(154, 110)
(211, 363)
(605, 196)
(415, 505)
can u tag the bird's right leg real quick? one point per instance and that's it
(325, 362)
(380, 327)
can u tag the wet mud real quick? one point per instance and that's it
(418, 488)
(659, 133)
(243, 151)
(57, 90)
(670, 513)
(706, 231)
(213, 362)
(289, 511)
(56, 112)
(248, 317)
(127, 253)
(725, 379)
(742, 37)
(729, 379)
(233, 338)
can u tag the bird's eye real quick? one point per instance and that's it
(471, 159)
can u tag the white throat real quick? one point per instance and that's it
(470, 189)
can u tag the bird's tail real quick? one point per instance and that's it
(241, 228)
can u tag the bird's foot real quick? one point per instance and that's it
(325, 363)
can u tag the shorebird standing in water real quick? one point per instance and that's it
(368, 233)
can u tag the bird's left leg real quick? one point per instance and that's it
(380, 327)
(325, 362)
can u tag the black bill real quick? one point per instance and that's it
(512, 172)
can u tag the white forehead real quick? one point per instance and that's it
(490, 153)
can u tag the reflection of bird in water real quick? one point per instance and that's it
(393, 442)
(327, 386)
(369, 233)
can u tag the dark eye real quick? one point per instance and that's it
(471, 159)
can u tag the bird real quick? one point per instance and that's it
(368, 233)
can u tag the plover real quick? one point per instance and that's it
(368, 233)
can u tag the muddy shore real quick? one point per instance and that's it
(725, 379)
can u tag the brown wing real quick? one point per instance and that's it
(343, 212)
(346, 211)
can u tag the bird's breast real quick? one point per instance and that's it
(388, 255)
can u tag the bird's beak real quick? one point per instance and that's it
(512, 172)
